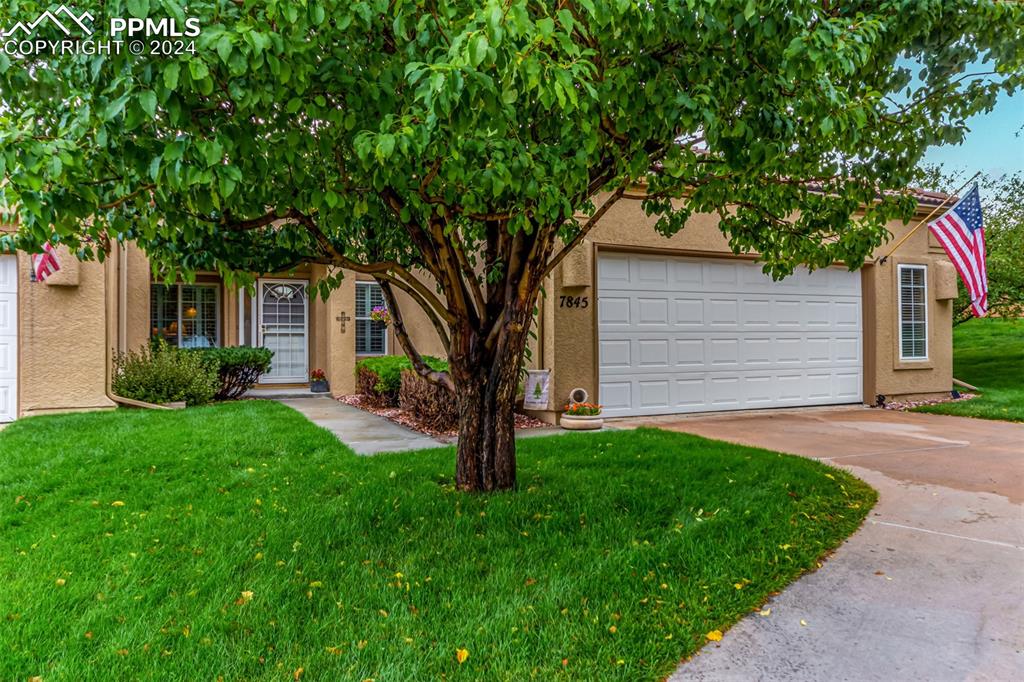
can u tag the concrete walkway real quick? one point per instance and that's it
(365, 433)
(931, 588)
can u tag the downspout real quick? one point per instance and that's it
(122, 300)
(121, 282)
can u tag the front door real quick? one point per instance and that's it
(283, 324)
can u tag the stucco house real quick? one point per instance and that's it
(647, 325)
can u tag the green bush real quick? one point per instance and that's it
(434, 405)
(380, 378)
(164, 374)
(239, 367)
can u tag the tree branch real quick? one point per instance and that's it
(421, 367)
(584, 230)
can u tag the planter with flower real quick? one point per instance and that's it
(318, 381)
(581, 417)
(380, 314)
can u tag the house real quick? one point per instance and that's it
(647, 325)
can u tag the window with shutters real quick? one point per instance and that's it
(371, 337)
(913, 293)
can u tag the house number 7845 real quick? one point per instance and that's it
(573, 301)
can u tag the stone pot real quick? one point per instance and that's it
(319, 386)
(580, 422)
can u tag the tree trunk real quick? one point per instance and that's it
(486, 457)
(485, 388)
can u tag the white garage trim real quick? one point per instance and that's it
(8, 338)
(698, 335)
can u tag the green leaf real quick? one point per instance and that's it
(750, 11)
(171, 72)
(224, 47)
(147, 100)
(198, 69)
(138, 8)
(226, 186)
(477, 49)
(385, 146)
(115, 108)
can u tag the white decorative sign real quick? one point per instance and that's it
(537, 383)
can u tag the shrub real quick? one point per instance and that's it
(380, 378)
(433, 404)
(163, 374)
(238, 367)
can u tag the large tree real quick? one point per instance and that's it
(478, 141)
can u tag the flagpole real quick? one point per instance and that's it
(881, 261)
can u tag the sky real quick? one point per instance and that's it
(994, 145)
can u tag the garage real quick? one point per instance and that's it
(679, 335)
(8, 338)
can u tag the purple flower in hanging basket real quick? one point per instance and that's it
(380, 314)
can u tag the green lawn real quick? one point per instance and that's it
(241, 541)
(988, 353)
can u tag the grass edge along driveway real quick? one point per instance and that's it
(988, 353)
(240, 540)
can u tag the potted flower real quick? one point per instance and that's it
(380, 314)
(581, 417)
(318, 381)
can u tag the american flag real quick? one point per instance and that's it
(45, 263)
(962, 235)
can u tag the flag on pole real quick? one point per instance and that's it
(962, 234)
(45, 263)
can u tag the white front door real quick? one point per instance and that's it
(283, 308)
(688, 335)
(8, 338)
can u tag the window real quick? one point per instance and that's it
(371, 337)
(913, 292)
(185, 315)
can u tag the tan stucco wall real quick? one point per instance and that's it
(570, 334)
(330, 349)
(890, 376)
(64, 328)
(62, 336)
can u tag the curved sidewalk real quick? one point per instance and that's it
(931, 588)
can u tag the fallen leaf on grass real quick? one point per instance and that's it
(117, 503)
(714, 636)
(298, 673)
(245, 598)
(461, 655)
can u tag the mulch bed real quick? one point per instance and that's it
(906, 405)
(400, 416)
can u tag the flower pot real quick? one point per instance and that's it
(581, 423)
(319, 386)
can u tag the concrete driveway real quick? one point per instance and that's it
(931, 588)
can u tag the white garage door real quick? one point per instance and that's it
(8, 338)
(696, 335)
